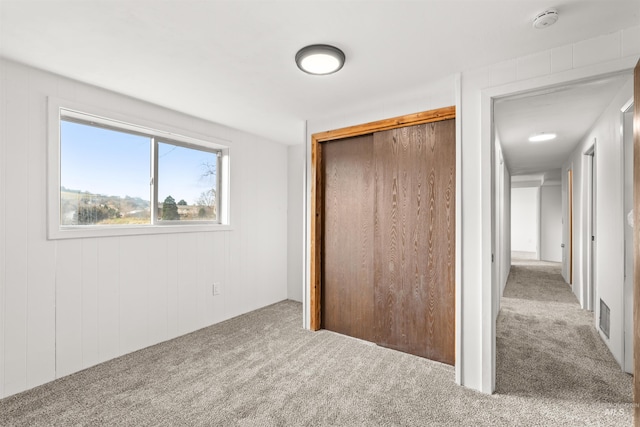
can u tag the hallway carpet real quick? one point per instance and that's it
(548, 347)
(263, 369)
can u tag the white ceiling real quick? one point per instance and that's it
(568, 111)
(232, 62)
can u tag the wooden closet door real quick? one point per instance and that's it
(414, 249)
(347, 299)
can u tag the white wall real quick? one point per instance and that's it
(295, 218)
(524, 222)
(628, 244)
(506, 227)
(583, 59)
(68, 304)
(506, 224)
(536, 226)
(551, 223)
(502, 227)
(609, 238)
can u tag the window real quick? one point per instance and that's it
(192, 174)
(104, 176)
(111, 177)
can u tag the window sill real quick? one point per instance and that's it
(80, 232)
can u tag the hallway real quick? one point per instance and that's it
(548, 349)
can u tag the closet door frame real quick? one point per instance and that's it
(317, 188)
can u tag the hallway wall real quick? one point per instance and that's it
(506, 215)
(537, 221)
(628, 244)
(525, 209)
(609, 252)
(501, 236)
(502, 221)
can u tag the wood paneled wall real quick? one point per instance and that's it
(68, 304)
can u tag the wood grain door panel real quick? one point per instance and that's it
(414, 253)
(400, 278)
(348, 237)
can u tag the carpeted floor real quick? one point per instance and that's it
(263, 369)
(548, 347)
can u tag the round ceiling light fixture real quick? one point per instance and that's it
(542, 136)
(320, 59)
(545, 19)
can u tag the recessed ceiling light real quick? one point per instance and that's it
(545, 19)
(320, 59)
(539, 137)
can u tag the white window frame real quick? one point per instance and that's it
(59, 108)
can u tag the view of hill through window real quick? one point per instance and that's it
(188, 178)
(105, 178)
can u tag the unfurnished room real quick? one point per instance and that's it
(319, 213)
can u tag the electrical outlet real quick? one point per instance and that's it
(216, 288)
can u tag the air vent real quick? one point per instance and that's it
(605, 315)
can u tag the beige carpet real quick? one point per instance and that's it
(263, 369)
(548, 347)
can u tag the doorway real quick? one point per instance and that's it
(578, 165)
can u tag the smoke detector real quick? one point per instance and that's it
(545, 19)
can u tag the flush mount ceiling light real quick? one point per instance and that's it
(320, 59)
(545, 19)
(543, 136)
